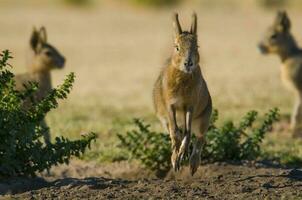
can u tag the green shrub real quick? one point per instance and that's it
(151, 148)
(229, 142)
(21, 151)
(242, 142)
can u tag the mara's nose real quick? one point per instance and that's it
(63, 61)
(262, 48)
(188, 63)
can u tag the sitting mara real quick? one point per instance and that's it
(279, 40)
(181, 97)
(43, 57)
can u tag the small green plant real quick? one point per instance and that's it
(242, 142)
(151, 148)
(229, 142)
(21, 151)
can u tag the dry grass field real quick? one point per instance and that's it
(117, 50)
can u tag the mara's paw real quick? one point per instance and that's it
(194, 162)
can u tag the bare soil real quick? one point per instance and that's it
(212, 181)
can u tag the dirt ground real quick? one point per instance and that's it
(212, 181)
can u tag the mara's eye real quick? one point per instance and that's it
(177, 47)
(48, 53)
(274, 36)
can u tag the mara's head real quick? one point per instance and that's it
(44, 56)
(277, 38)
(185, 56)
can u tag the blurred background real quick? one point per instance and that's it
(117, 47)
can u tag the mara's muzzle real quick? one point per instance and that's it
(263, 49)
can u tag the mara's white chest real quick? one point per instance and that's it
(289, 76)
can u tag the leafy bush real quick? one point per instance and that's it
(238, 143)
(21, 149)
(151, 148)
(229, 142)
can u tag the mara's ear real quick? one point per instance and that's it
(34, 39)
(193, 29)
(282, 21)
(43, 34)
(176, 24)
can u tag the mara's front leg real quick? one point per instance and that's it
(174, 135)
(202, 124)
(296, 118)
(185, 143)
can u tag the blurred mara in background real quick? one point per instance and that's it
(279, 40)
(41, 59)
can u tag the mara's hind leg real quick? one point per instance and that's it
(201, 126)
(296, 118)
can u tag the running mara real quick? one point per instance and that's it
(181, 97)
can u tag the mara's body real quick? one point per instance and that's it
(279, 40)
(42, 58)
(183, 91)
(291, 72)
(42, 78)
(181, 97)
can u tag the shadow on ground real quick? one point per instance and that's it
(213, 181)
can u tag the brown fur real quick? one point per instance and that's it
(43, 57)
(181, 97)
(279, 40)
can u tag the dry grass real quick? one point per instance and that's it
(116, 52)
